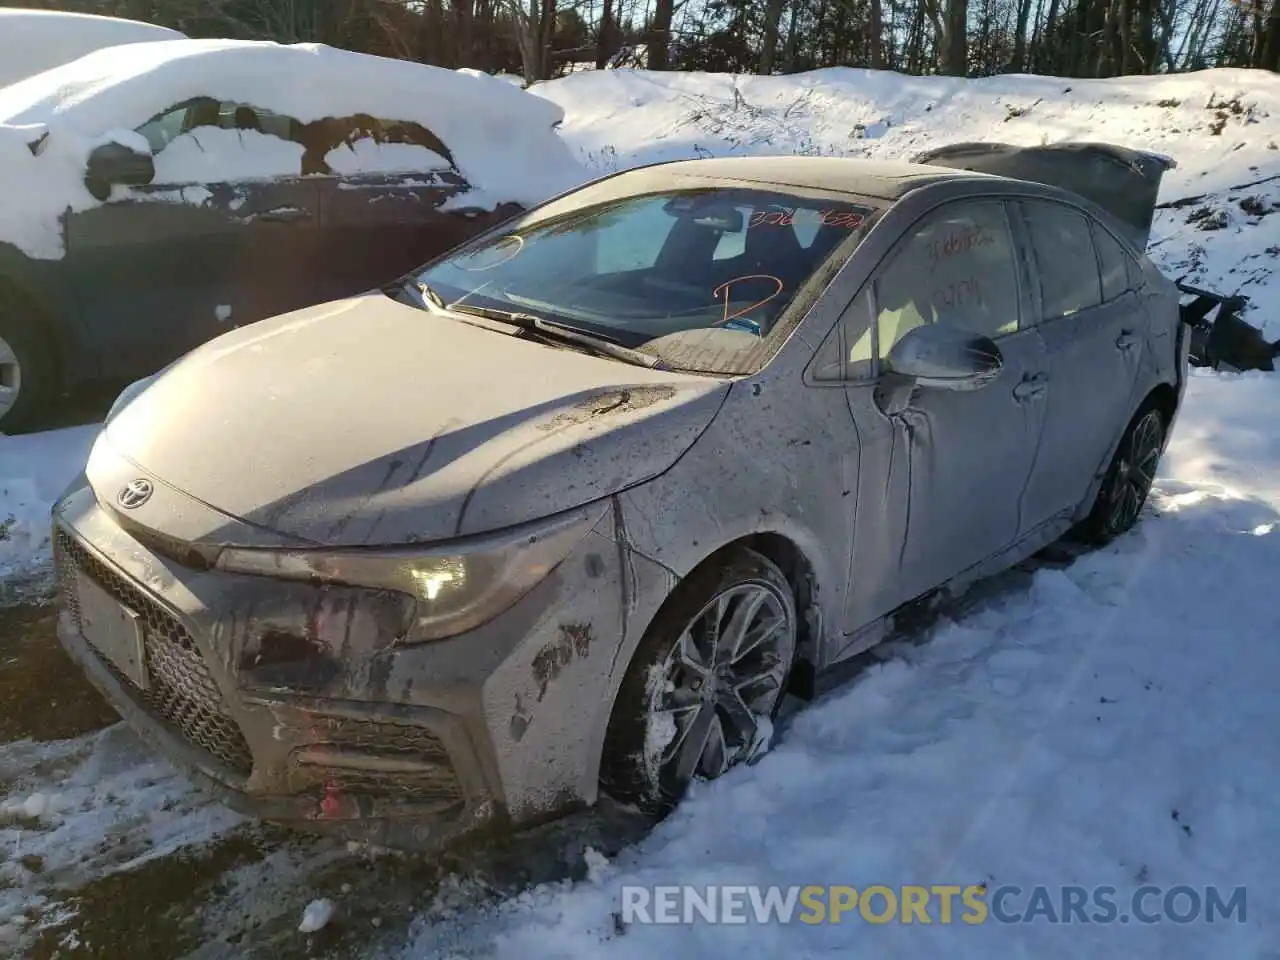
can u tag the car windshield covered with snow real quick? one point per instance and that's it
(700, 279)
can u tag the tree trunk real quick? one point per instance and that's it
(875, 34)
(769, 46)
(1018, 62)
(1271, 45)
(955, 49)
(793, 40)
(660, 35)
(604, 38)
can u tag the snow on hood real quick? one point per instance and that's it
(485, 122)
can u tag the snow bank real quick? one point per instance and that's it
(34, 470)
(502, 139)
(36, 40)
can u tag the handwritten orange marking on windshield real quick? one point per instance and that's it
(515, 239)
(776, 218)
(841, 218)
(787, 218)
(728, 285)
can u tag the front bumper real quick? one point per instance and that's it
(409, 747)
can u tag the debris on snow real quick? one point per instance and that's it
(317, 914)
(597, 865)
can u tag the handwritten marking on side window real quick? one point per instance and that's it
(725, 288)
(958, 241)
(959, 293)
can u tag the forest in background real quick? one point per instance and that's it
(541, 39)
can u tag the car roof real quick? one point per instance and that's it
(884, 179)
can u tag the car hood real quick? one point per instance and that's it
(366, 421)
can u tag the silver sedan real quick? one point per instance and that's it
(569, 510)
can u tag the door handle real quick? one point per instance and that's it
(285, 215)
(1127, 340)
(1029, 388)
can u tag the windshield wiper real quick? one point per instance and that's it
(560, 333)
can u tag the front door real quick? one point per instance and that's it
(944, 488)
(214, 242)
(1095, 340)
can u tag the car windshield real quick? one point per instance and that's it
(698, 278)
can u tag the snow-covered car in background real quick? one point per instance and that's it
(616, 475)
(157, 194)
(32, 41)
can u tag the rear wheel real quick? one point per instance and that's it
(1128, 480)
(705, 683)
(27, 371)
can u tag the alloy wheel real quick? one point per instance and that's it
(10, 377)
(716, 692)
(1135, 471)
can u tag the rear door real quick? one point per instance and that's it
(224, 235)
(1095, 339)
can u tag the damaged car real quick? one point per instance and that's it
(161, 193)
(567, 512)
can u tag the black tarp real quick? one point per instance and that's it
(1123, 182)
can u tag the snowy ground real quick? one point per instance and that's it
(1103, 722)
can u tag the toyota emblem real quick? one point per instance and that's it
(135, 494)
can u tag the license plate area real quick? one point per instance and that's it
(113, 630)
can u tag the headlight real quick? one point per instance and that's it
(456, 589)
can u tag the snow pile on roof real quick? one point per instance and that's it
(36, 40)
(503, 140)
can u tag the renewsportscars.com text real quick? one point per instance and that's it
(936, 904)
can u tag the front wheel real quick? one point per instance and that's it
(27, 372)
(1128, 480)
(705, 683)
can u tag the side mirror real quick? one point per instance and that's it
(111, 163)
(937, 355)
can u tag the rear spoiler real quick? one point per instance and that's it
(1121, 181)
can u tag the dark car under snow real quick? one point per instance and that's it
(266, 213)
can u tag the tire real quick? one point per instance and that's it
(1128, 480)
(28, 374)
(668, 695)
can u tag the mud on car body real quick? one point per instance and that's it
(572, 527)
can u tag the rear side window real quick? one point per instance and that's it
(1065, 259)
(1114, 264)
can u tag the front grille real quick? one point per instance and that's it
(183, 694)
(432, 785)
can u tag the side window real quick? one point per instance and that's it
(1065, 259)
(958, 266)
(364, 144)
(1114, 263)
(164, 128)
(207, 141)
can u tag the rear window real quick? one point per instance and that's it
(701, 279)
